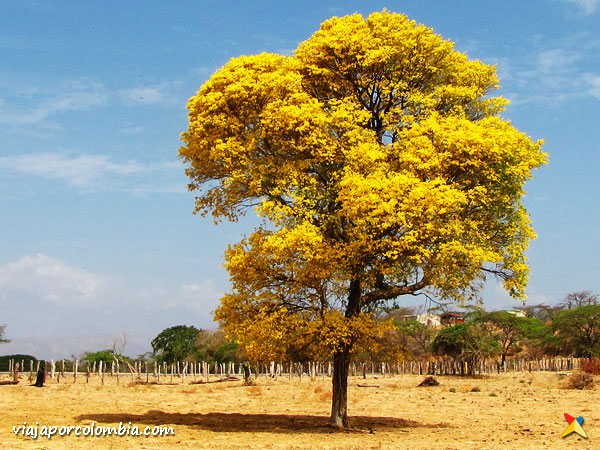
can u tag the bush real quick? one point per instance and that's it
(580, 380)
(591, 365)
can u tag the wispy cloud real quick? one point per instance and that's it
(593, 83)
(202, 297)
(555, 74)
(159, 94)
(96, 171)
(82, 171)
(34, 106)
(557, 61)
(586, 6)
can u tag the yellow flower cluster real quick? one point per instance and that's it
(380, 166)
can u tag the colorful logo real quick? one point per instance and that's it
(574, 426)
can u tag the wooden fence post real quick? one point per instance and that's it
(16, 373)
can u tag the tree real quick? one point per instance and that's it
(577, 299)
(415, 337)
(213, 346)
(579, 330)
(175, 344)
(106, 356)
(5, 361)
(511, 330)
(466, 342)
(120, 342)
(542, 312)
(381, 168)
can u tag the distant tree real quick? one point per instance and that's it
(228, 352)
(176, 343)
(146, 356)
(577, 299)
(2, 340)
(4, 361)
(579, 330)
(415, 337)
(542, 342)
(511, 330)
(120, 342)
(106, 356)
(213, 346)
(466, 342)
(388, 346)
(542, 312)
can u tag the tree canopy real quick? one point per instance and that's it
(511, 329)
(175, 344)
(468, 342)
(579, 330)
(107, 356)
(577, 299)
(381, 167)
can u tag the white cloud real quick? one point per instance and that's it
(593, 82)
(145, 95)
(554, 76)
(201, 297)
(557, 60)
(27, 106)
(587, 6)
(158, 94)
(200, 294)
(83, 170)
(44, 278)
(74, 96)
(94, 171)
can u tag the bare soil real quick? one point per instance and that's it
(506, 411)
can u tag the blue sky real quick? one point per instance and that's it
(97, 237)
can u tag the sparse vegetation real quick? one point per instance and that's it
(285, 413)
(580, 380)
(591, 366)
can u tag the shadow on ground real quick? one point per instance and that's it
(236, 422)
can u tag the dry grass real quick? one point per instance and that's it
(580, 380)
(525, 412)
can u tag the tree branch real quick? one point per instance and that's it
(390, 292)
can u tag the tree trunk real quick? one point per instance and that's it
(339, 404)
(341, 364)
(41, 376)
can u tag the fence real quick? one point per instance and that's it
(181, 372)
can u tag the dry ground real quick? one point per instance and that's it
(506, 411)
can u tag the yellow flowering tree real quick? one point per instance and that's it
(381, 168)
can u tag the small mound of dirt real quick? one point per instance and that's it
(429, 381)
